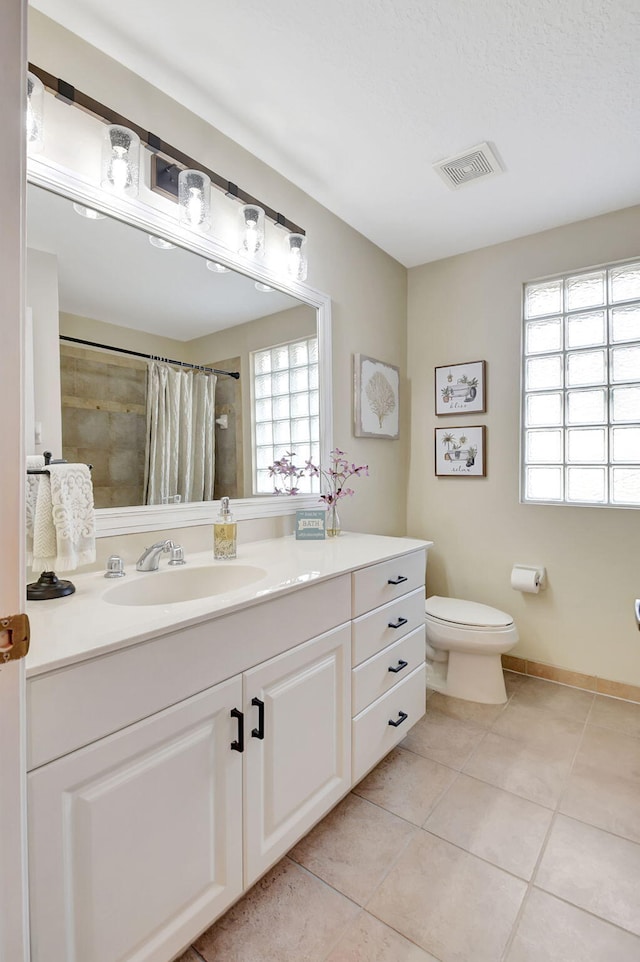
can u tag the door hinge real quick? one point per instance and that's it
(15, 644)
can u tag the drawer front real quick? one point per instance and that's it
(378, 584)
(373, 736)
(377, 675)
(384, 626)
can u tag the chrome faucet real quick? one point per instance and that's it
(149, 560)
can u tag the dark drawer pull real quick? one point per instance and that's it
(397, 581)
(259, 731)
(238, 746)
(402, 717)
(401, 664)
(399, 623)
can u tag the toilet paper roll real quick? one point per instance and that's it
(527, 578)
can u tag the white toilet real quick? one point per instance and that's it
(464, 643)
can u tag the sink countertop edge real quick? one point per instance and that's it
(58, 627)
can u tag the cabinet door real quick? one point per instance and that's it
(135, 841)
(301, 767)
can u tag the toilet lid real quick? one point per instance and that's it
(461, 612)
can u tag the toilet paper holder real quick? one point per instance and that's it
(531, 578)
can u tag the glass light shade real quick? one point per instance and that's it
(35, 113)
(120, 160)
(264, 288)
(88, 212)
(217, 268)
(251, 231)
(194, 199)
(160, 243)
(296, 247)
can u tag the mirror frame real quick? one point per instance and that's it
(115, 521)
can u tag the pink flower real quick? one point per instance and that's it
(333, 478)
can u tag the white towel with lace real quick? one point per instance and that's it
(35, 462)
(73, 515)
(64, 528)
(45, 548)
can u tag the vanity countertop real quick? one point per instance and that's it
(68, 630)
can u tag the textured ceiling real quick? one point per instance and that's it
(354, 100)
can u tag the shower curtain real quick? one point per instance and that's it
(180, 459)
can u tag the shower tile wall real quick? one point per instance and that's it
(104, 421)
(229, 474)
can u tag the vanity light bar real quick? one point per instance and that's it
(166, 168)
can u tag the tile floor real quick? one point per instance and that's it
(491, 834)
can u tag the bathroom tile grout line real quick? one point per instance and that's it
(361, 908)
(531, 883)
(391, 866)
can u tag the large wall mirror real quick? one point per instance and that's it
(148, 298)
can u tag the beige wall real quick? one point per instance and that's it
(468, 308)
(114, 335)
(367, 287)
(42, 298)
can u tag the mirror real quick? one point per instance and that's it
(105, 283)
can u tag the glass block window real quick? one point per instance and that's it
(581, 388)
(286, 411)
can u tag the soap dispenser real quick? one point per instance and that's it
(225, 532)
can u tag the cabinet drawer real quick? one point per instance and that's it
(375, 676)
(384, 626)
(378, 584)
(373, 736)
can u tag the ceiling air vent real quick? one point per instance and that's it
(474, 163)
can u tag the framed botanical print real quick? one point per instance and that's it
(461, 388)
(461, 452)
(376, 407)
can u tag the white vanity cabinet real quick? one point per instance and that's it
(135, 842)
(166, 776)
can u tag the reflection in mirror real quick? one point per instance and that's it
(106, 282)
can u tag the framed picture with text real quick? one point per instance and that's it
(461, 388)
(461, 452)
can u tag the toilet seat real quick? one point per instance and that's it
(466, 614)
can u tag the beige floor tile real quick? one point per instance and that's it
(454, 905)
(594, 870)
(368, 940)
(538, 727)
(611, 752)
(608, 801)
(406, 784)
(512, 681)
(553, 697)
(288, 916)
(527, 770)
(353, 848)
(493, 824)
(623, 716)
(443, 739)
(552, 931)
(471, 711)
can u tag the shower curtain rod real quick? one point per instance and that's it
(149, 357)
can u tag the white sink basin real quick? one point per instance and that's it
(170, 585)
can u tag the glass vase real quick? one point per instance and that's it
(333, 528)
